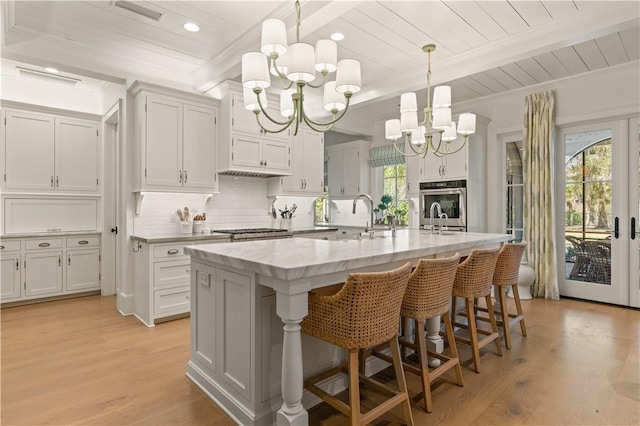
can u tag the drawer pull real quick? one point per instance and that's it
(44, 245)
(173, 251)
(187, 297)
(54, 229)
(1, 247)
(188, 271)
(83, 242)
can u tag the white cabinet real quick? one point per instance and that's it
(45, 152)
(175, 140)
(43, 273)
(348, 169)
(447, 167)
(10, 270)
(307, 167)
(83, 269)
(163, 274)
(413, 164)
(40, 267)
(244, 147)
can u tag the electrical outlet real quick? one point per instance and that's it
(173, 218)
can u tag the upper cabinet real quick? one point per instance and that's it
(50, 153)
(307, 167)
(448, 167)
(348, 169)
(244, 147)
(175, 136)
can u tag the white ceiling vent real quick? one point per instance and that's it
(135, 7)
(45, 76)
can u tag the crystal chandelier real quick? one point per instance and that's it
(437, 118)
(295, 66)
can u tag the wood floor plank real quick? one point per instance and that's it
(82, 363)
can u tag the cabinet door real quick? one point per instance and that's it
(77, 155)
(413, 175)
(9, 276)
(313, 162)
(431, 168)
(246, 151)
(335, 172)
(295, 182)
(29, 150)
(275, 155)
(243, 120)
(163, 148)
(83, 270)
(43, 273)
(351, 172)
(455, 165)
(199, 147)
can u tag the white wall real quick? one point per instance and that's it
(599, 95)
(241, 203)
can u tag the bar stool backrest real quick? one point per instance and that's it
(474, 276)
(429, 290)
(366, 313)
(508, 264)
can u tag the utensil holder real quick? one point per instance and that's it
(186, 227)
(285, 224)
(198, 226)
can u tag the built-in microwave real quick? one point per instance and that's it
(452, 198)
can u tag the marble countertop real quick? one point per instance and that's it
(294, 258)
(168, 238)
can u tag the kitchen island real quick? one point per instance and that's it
(243, 292)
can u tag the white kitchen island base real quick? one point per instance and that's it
(242, 356)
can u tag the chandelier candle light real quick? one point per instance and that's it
(437, 118)
(296, 65)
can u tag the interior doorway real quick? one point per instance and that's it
(111, 212)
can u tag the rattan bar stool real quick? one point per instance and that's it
(473, 281)
(506, 275)
(428, 296)
(364, 313)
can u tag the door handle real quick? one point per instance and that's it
(633, 228)
(616, 227)
(186, 177)
(180, 176)
(69, 259)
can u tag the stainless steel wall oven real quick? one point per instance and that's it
(452, 197)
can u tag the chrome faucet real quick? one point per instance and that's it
(355, 202)
(432, 224)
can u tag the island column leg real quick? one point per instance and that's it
(292, 309)
(434, 341)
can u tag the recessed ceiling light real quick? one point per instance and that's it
(192, 27)
(51, 70)
(337, 36)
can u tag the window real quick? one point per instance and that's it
(515, 190)
(394, 185)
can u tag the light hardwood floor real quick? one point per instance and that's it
(80, 362)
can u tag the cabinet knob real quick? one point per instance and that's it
(1, 247)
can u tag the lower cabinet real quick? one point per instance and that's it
(40, 267)
(163, 274)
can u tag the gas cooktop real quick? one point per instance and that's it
(255, 233)
(249, 231)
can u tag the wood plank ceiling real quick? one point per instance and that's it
(483, 47)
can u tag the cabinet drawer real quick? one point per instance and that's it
(10, 245)
(43, 243)
(171, 273)
(171, 301)
(76, 242)
(167, 251)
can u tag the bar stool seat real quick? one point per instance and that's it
(473, 281)
(365, 312)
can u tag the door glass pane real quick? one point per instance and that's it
(588, 206)
(515, 190)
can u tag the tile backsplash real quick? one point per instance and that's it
(241, 203)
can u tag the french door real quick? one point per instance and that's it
(598, 189)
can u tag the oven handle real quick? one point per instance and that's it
(442, 191)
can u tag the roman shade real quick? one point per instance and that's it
(385, 155)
